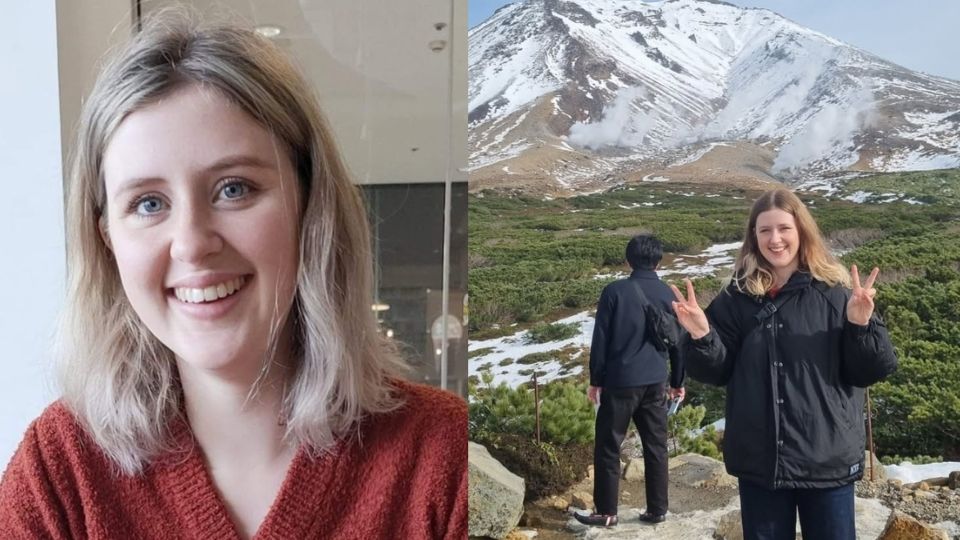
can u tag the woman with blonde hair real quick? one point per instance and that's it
(222, 372)
(795, 347)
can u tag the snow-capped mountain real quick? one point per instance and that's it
(573, 95)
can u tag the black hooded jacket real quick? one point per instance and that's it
(795, 370)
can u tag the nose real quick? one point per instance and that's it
(194, 236)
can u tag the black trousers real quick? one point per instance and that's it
(646, 406)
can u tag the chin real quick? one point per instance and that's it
(221, 360)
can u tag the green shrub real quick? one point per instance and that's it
(680, 428)
(566, 415)
(545, 332)
(547, 469)
(915, 460)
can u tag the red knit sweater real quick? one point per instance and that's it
(406, 477)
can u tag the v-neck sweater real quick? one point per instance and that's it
(403, 476)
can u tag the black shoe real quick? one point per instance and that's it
(598, 520)
(647, 517)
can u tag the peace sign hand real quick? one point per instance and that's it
(860, 305)
(689, 314)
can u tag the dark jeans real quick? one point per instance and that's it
(646, 405)
(825, 514)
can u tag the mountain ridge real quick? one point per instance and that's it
(573, 95)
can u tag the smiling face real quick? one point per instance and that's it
(778, 241)
(202, 214)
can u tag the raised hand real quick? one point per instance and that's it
(689, 314)
(860, 305)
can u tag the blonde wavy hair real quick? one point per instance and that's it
(753, 273)
(116, 377)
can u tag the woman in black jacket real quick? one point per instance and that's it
(795, 346)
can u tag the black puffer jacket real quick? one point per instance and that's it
(795, 370)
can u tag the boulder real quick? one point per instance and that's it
(881, 474)
(581, 499)
(871, 517)
(496, 495)
(729, 527)
(952, 528)
(953, 480)
(558, 502)
(634, 470)
(697, 471)
(901, 526)
(937, 481)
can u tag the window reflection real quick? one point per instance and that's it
(407, 224)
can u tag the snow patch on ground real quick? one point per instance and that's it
(706, 263)
(908, 472)
(917, 160)
(698, 154)
(651, 178)
(514, 346)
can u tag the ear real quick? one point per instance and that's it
(104, 232)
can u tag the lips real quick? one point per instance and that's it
(210, 293)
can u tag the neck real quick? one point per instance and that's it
(231, 427)
(782, 276)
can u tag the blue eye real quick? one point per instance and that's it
(234, 190)
(147, 206)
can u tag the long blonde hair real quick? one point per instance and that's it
(753, 273)
(116, 377)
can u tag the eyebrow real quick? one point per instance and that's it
(225, 163)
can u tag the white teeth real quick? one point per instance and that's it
(208, 294)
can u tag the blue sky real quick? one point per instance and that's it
(920, 35)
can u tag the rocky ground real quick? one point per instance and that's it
(704, 504)
(929, 503)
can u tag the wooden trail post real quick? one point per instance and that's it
(536, 403)
(870, 436)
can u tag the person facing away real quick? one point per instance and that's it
(795, 347)
(628, 372)
(222, 373)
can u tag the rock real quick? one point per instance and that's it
(900, 526)
(590, 472)
(880, 474)
(897, 483)
(871, 517)
(516, 535)
(686, 526)
(581, 499)
(729, 527)
(938, 481)
(634, 470)
(700, 471)
(924, 486)
(954, 480)
(558, 502)
(495, 494)
(531, 521)
(952, 528)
